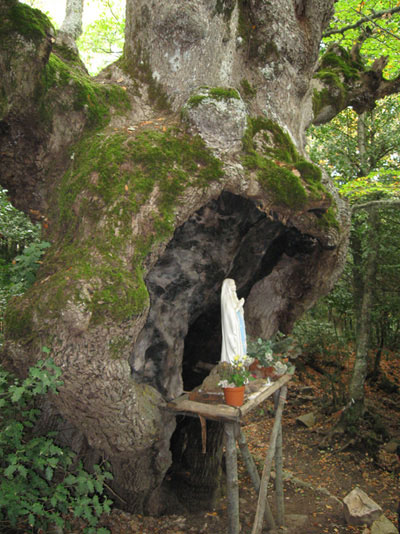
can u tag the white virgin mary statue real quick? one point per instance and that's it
(233, 325)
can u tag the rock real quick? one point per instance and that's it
(210, 383)
(383, 526)
(359, 509)
(220, 120)
(307, 419)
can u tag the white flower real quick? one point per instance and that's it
(225, 384)
(280, 368)
(268, 356)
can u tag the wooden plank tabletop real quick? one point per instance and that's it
(223, 412)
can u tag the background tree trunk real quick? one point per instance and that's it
(72, 23)
(363, 328)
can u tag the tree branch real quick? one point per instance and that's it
(110, 7)
(383, 203)
(362, 20)
(385, 30)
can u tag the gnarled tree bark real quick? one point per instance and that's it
(203, 177)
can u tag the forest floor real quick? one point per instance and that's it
(317, 478)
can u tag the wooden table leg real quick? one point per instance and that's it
(232, 484)
(280, 503)
(262, 496)
(255, 477)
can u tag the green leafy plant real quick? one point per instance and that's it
(17, 230)
(38, 486)
(316, 337)
(272, 353)
(261, 350)
(20, 252)
(235, 374)
(25, 266)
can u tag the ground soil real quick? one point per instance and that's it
(317, 478)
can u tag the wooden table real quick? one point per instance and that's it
(231, 417)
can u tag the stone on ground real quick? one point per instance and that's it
(307, 419)
(383, 526)
(359, 509)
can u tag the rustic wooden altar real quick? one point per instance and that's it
(231, 418)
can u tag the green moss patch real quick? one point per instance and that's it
(95, 262)
(328, 219)
(213, 93)
(18, 322)
(290, 179)
(95, 98)
(66, 53)
(284, 186)
(337, 70)
(247, 90)
(29, 22)
(273, 141)
(110, 180)
(338, 59)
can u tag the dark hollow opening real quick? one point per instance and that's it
(181, 340)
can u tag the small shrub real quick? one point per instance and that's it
(20, 252)
(25, 266)
(316, 338)
(326, 352)
(37, 485)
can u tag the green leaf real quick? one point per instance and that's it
(49, 473)
(22, 471)
(17, 393)
(24, 491)
(37, 508)
(70, 479)
(10, 470)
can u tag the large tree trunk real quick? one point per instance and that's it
(204, 177)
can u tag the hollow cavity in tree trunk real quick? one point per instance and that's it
(229, 237)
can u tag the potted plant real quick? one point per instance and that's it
(266, 361)
(233, 378)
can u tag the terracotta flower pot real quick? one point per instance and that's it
(234, 396)
(254, 366)
(268, 371)
(258, 370)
